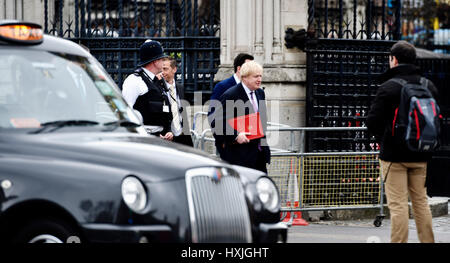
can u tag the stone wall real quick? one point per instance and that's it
(25, 10)
(253, 26)
(257, 27)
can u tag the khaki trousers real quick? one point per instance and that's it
(400, 180)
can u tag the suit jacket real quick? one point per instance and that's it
(221, 87)
(217, 92)
(241, 154)
(185, 120)
(151, 104)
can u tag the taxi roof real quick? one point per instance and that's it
(52, 44)
(49, 43)
(60, 45)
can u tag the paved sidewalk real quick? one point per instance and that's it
(361, 231)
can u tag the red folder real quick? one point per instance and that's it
(250, 123)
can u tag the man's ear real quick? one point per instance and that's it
(394, 60)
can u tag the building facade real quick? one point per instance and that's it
(258, 27)
(253, 26)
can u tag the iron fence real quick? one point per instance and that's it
(369, 19)
(425, 23)
(114, 30)
(343, 77)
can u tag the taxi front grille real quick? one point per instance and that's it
(218, 210)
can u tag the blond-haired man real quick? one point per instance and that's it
(244, 98)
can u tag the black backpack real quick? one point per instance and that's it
(416, 120)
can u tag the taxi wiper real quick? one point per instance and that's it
(63, 123)
(121, 123)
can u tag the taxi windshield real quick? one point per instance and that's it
(38, 87)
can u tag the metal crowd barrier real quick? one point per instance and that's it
(199, 138)
(328, 181)
(322, 181)
(319, 181)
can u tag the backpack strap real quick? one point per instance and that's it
(424, 82)
(400, 81)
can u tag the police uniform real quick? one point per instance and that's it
(146, 93)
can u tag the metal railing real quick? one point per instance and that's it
(199, 138)
(113, 31)
(206, 135)
(318, 181)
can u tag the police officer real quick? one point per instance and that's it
(147, 92)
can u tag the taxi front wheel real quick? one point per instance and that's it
(45, 231)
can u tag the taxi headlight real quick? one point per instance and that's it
(268, 193)
(134, 194)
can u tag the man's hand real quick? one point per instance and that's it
(242, 138)
(159, 76)
(167, 137)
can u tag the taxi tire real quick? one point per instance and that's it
(41, 230)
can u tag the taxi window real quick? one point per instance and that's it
(38, 87)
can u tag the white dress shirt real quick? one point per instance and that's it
(175, 90)
(177, 98)
(236, 78)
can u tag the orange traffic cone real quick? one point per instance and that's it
(288, 214)
(287, 218)
(298, 220)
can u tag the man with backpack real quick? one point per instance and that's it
(404, 117)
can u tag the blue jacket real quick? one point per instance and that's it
(217, 92)
(221, 87)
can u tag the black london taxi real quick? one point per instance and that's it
(76, 165)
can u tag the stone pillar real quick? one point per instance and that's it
(11, 9)
(257, 27)
(25, 10)
(34, 11)
(258, 30)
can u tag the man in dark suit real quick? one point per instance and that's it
(180, 122)
(242, 99)
(146, 93)
(223, 86)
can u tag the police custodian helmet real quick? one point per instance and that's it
(150, 51)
